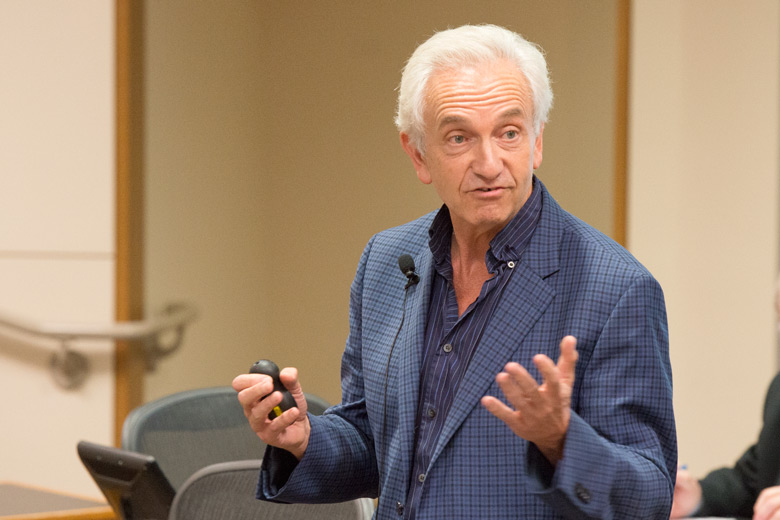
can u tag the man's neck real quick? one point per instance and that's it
(469, 270)
(469, 250)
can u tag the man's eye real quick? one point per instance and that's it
(457, 139)
(511, 134)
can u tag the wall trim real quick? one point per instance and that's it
(129, 361)
(620, 205)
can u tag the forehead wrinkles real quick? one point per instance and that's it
(473, 89)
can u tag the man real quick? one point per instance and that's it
(443, 414)
(751, 488)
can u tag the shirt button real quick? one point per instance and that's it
(582, 493)
(399, 508)
(511, 264)
(431, 413)
(447, 348)
(421, 477)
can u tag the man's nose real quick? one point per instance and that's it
(487, 162)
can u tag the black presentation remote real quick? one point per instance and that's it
(269, 368)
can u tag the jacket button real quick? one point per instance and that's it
(582, 493)
(399, 508)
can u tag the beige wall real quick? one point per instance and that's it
(56, 230)
(703, 206)
(272, 158)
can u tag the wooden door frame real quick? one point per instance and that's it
(620, 201)
(129, 363)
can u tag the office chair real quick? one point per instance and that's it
(189, 430)
(227, 491)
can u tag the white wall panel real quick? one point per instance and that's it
(56, 230)
(56, 125)
(703, 206)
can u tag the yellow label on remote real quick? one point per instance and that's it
(277, 411)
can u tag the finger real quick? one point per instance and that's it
(287, 418)
(261, 385)
(264, 407)
(567, 361)
(289, 378)
(550, 378)
(243, 381)
(521, 377)
(517, 385)
(497, 408)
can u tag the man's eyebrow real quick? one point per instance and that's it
(454, 120)
(513, 112)
(451, 120)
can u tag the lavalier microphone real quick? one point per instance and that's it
(406, 263)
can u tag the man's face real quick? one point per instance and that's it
(480, 147)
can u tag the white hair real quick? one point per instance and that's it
(465, 46)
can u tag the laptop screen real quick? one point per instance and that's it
(133, 483)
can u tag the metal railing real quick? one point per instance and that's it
(159, 336)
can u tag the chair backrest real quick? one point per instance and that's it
(189, 430)
(227, 491)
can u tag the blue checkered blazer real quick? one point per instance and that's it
(620, 452)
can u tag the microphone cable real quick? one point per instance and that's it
(406, 264)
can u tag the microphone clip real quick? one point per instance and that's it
(406, 264)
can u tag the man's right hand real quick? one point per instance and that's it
(687, 495)
(289, 431)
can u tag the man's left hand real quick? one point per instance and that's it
(539, 413)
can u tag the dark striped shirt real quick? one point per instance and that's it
(450, 340)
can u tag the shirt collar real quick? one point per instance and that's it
(507, 245)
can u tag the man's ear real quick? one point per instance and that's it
(538, 148)
(418, 160)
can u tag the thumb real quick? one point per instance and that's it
(289, 378)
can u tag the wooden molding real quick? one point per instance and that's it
(129, 361)
(621, 121)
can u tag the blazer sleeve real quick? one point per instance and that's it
(339, 463)
(620, 450)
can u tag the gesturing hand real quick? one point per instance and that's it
(539, 413)
(289, 431)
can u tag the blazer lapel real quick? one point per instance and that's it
(525, 299)
(410, 343)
